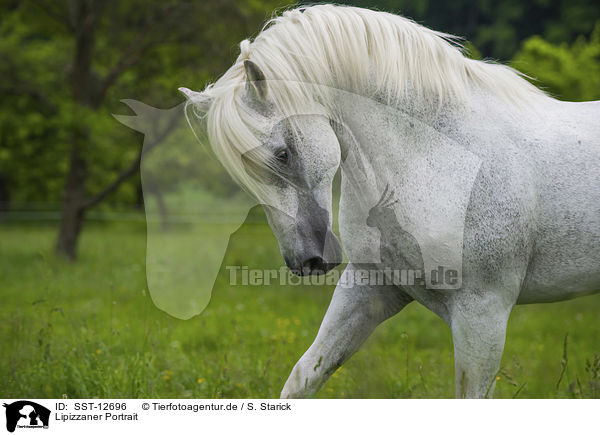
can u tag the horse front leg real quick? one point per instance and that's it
(353, 314)
(478, 332)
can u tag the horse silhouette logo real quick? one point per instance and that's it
(26, 414)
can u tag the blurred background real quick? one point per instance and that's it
(77, 319)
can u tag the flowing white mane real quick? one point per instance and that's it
(352, 49)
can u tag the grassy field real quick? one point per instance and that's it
(90, 329)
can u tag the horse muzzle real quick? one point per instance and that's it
(317, 263)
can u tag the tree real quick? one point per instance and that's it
(569, 72)
(67, 65)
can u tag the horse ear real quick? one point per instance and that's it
(199, 100)
(256, 83)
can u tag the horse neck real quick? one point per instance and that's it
(473, 116)
(372, 119)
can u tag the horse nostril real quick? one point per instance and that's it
(313, 266)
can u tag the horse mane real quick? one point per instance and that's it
(358, 50)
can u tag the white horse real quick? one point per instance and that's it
(450, 161)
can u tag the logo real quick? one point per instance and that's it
(26, 414)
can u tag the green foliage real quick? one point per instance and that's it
(142, 50)
(471, 51)
(569, 72)
(31, 133)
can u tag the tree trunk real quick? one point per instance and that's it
(4, 199)
(73, 209)
(84, 16)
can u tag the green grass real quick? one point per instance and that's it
(90, 329)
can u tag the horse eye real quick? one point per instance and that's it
(282, 156)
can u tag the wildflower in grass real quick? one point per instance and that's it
(497, 378)
(201, 380)
(282, 323)
(167, 374)
(98, 351)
